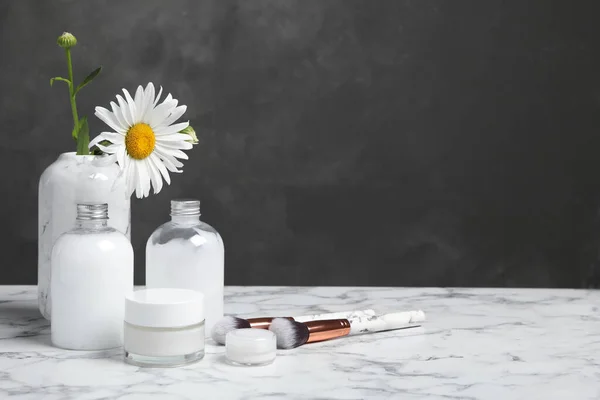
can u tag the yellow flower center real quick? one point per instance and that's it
(140, 141)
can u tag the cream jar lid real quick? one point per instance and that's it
(164, 308)
(250, 346)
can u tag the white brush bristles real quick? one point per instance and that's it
(225, 325)
(289, 333)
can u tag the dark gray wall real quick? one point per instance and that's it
(342, 142)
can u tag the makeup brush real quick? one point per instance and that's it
(292, 334)
(229, 323)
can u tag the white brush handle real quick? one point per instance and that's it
(336, 315)
(385, 322)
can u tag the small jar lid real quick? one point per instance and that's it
(164, 308)
(250, 346)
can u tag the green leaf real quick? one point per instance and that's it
(77, 128)
(83, 137)
(87, 80)
(58, 78)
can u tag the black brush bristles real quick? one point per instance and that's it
(225, 325)
(290, 334)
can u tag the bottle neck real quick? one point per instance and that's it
(185, 211)
(185, 219)
(92, 224)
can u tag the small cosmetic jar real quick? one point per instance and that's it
(164, 327)
(251, 347)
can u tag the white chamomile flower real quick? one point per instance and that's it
(145, 140)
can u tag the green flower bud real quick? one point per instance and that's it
(66, 40)
(190, 131)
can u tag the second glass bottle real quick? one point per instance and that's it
(187, 253)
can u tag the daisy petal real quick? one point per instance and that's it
(170, 166)
(139, 101)
(95, 141)
(171, 129)
(119, 115)
(161, 167)
(176, 145)
(173, 137)
(116, 138)
(175, 115)
(112, 149)
(170, 162)
(174, 153)
(154, 175)
(113, 137)
(130, 177)
(139, 191)
(157, 97)
(124, 170)
(168, 99)
(176, 163)
(109, 119)
(173, 101)
(125, 111)
(131, 106)
(148, 100)
(144, 181)
(160, 113)
(121, 156)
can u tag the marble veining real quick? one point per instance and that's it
(476, 344)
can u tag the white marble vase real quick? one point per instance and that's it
(73, 179)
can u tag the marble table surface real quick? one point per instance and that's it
(476, 344)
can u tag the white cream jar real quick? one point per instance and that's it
(164, 327)
(251, 347)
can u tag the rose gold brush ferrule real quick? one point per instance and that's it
(327, 329)
(263, 322)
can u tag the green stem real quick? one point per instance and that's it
(80, 149)
(71, 98)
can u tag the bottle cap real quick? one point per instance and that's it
(164, 308)
(185, 207)
(250, 346)
(92, 211)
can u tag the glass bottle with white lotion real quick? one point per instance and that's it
(186, 253)
(92, 272)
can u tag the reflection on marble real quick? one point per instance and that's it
(476, 344)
